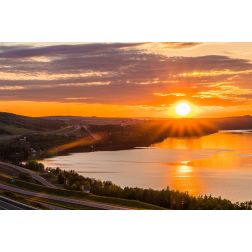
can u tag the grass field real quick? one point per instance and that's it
(13, 130)
(39, 203)
(80, 195)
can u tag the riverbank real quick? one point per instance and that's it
(219, 164)
(166, 198)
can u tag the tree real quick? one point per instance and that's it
(34, 165)
(61, 178)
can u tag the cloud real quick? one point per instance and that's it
(60, 50)
(11, 87)
(180, 45)
(170, 94)
(119, 73)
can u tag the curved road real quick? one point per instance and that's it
(63, 199)
(33, 174)
(9, 204)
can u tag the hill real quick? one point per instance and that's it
(93, 120)
(17, 124)
(233, 123)
(22, 137)
(225, 123)
(12, 124)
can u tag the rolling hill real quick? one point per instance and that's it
(17, 124)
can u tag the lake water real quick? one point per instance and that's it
(219, 164)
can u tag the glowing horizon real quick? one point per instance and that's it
(126, 79)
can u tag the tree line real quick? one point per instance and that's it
(167, 198)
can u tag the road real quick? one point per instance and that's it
(8, 204)
(87, 203)
(33, 174)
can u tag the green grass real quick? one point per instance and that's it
(13, 130)
(80, 195)
(7, 138)
(38, 203)
(5, 178)
(67, 206)
(21, 198)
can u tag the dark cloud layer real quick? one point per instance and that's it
(119, 73)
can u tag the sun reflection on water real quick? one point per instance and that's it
(184, 170)
(184, 178)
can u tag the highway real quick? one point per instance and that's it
(86, 203)
(8, 204)
(33, 174)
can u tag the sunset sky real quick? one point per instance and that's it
(126, 79)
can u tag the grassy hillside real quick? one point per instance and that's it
(28, 123)
(135, 204)
(8, 129)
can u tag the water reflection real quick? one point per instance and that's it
(184, 177)
(218, 164)
(184, 170)
(227, 171)
(220, 141)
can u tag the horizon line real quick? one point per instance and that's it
(132, 118)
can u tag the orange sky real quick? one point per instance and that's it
(126, 80)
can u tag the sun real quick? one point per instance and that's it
(183, 109)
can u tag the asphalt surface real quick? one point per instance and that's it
(9, 204)
(33, 174)
(86, 203)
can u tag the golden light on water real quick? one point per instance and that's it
(185, 178)
(184, 170)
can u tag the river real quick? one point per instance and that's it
(219, 164)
